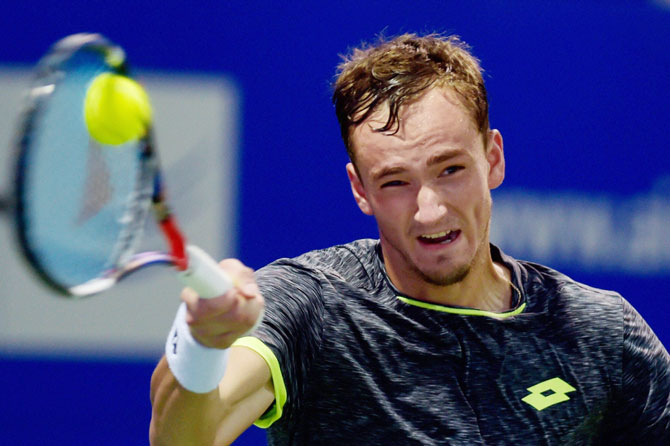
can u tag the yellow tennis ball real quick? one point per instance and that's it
(116, 109)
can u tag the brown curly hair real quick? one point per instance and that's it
(397, 71)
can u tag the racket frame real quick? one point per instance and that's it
(47, 75)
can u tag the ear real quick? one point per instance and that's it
(495, 157)
(358, 190)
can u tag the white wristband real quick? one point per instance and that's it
(196, 367)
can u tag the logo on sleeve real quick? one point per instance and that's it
(547, 393)
(175, 339)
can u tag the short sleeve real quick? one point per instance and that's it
(291, 329)
(643, 405)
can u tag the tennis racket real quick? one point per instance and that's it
(81, 206)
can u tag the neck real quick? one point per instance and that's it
(487, 286)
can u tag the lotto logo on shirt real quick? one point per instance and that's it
(547, 393)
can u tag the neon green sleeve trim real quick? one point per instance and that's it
(462, 311)
(275, 412)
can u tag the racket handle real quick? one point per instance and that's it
(204, 275)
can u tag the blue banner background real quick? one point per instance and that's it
(579, 90)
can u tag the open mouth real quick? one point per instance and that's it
(440, 238)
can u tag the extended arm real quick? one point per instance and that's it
(217, 417)
(181, 417)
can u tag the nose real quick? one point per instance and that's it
(430, 209)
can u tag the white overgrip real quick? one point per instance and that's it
(204, 275)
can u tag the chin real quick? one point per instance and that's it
(446, 278)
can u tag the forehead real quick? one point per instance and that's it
(437, 120)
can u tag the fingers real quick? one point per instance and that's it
(218, 322)
(202, 309)
(242, 276)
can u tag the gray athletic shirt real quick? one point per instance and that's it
(355, 361)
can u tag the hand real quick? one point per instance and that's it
(220, 321)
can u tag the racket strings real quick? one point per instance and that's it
(97, 190)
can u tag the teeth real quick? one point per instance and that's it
(436, 235)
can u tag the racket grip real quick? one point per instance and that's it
(204, 275)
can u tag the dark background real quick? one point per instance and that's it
(579, 90)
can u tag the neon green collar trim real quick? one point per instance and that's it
(462, 311)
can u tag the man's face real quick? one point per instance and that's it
(428, 187)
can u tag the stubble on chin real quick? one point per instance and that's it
(444, 278)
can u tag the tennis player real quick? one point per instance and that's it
(430, 335)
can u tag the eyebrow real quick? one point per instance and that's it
(387, 171)
(433, 160)
(444, 156)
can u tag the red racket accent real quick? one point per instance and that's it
(176, 241)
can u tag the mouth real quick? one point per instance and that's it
(439, 238)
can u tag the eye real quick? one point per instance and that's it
(452, 170)
(393, 183)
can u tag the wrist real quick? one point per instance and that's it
(198, 369)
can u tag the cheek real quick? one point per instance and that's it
(391, 210)
(474, 198)
(483, 211)
(390, 203)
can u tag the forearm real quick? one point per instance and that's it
(215, 418)
(182, 417)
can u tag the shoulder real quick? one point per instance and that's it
(354, 261)
(553, 290)
(340, 257)
(546, 290)
(346, 269)
(582, 316)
